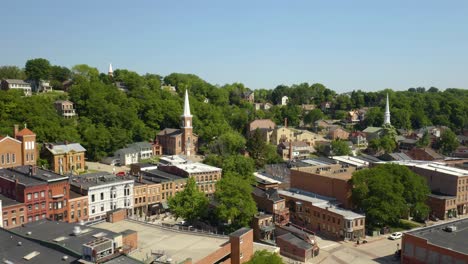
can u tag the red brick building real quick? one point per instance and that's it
(77, 207)
(18, 150)
(13, 212)
(443, 243)
(270, 202)
(44, 193)
(331, 181)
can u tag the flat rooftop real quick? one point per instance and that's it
(351, 161)
(197, 167)
(437, 236)
(157, 176)
(61, 233)
(12, 252)
(338, 171)
(22, 174)
(7, 201)
(174, 159)
(86, 181)
(435, 166)
(176, 245)
(263, 177)
(320, 201)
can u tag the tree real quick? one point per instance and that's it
(229, 143)
(239, 165)
(190, 203)
(265, 257)
(313, 116)
(448, 142)
(235, 203)
(387, 192)
(83, 72)
(260, 151)
(11, 72)
(424, 141)
(37, 69)
(340, 148)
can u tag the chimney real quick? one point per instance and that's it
(285, 122)
(15, 130)
(290, 150)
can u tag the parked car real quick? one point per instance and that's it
(433, 218)
(396, 235)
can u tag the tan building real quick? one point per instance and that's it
(338, 133)
(180, 141)
(262, 124)
(449, 186)
(329, 180)
(323, 215)
(286, 134)
(64, 157)
(18, 150)
(77, 207)
(65, 108)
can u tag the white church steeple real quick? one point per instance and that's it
(387, 113)
(186, 105)
(110, 72)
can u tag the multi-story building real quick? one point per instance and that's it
(205, 176)
(18, 150)
(44, 193)
(17, 84)
(64, 157)
(330, 180)
(183, 140)
(77, 207)
(319, 213)
(442, 243)
(65, 108)
(269, 201)
(449, 187)
(13, 213)
(105, 192)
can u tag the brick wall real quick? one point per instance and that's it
(116, 215)
(14, 215)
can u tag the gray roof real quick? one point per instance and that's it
(61, 234)
(436, 235)
(7, 201)
(86, 181)
(170, 132)
(270, 194)
(127, 151)
(123, 259)
(140, 145)
(21, 173)
(400, 156)
(16, 81)
(372, 129)
(240, 232)
(295, 241)
(57, 148)
(159, 176)
(11, 251)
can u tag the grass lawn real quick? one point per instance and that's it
(405, 225)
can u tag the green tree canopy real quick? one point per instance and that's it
(448, 142)
(11, 72)
(190, 203)
(339, 148)
(265, 257)
(235, 203)
(37, 69)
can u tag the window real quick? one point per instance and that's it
(65, 190)
(241, 255)
(79, 213)
(29, 207)
(50, 194)
(13, 158)
(93, 209)
(42, 194)
(102, 208)
(3, 159)
(21, 219)
(72, 215)
(43, 205)
(5, 223)
(92, 198)
(102, 196)
(78, 204)
(30, 218)
(36, 195)
(29, 197)
(27, 156)
(32, 159)
(72, 206)
(36, 218)
(8, 158)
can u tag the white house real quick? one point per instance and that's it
(17, 84)
(105, 192)
(284, 100)
(144, 149)
(127, 156)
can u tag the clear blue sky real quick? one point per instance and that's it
(346, 45)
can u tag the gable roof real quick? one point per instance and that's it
(64, 148)
(16, 81)
(9, 138)
(170, 132)
(25, 132)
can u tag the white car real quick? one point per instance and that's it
(396, 235)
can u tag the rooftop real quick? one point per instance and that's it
(320, 201)
(62, 148)
(351, 161)
(157, 176)
(434, 166)
(174, 159)
(270, 194)
(170, 132)
(61, 233)
(16, 81)
(436, 235)
(22, 174)
(16, 249)
(86, 181)
(197, 167)
(337, 171)
(7, 201)
(240, 232)
(296, 241)
(372, 129)
(263, 177)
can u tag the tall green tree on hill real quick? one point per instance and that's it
(190, 203)
(37, 69)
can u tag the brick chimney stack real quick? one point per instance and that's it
(15, 130)
(285, 122)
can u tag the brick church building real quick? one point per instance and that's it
(180, 141)
(18, 150)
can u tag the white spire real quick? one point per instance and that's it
(110, 69)
(186, 105)
(387, 113)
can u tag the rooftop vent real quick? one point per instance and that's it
(76, 230)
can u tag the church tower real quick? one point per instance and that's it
(110, 72)
(187, 129)
(387, 113)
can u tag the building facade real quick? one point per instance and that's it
(65, 108)
(21, 149)
(17, 84)
(105, 192)
(77, 207)
(64, 157)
